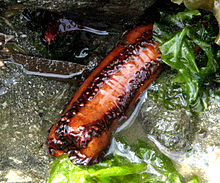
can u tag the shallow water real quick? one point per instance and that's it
(30, 104)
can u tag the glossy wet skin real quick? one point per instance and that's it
(84, 129)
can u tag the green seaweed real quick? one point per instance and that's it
(151, 167)
(194, 70)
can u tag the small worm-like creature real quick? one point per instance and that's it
(53, 29)
(84, 130)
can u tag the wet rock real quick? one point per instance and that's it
(120, 7)
(23, 155)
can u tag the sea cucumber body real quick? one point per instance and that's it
(85, 128)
